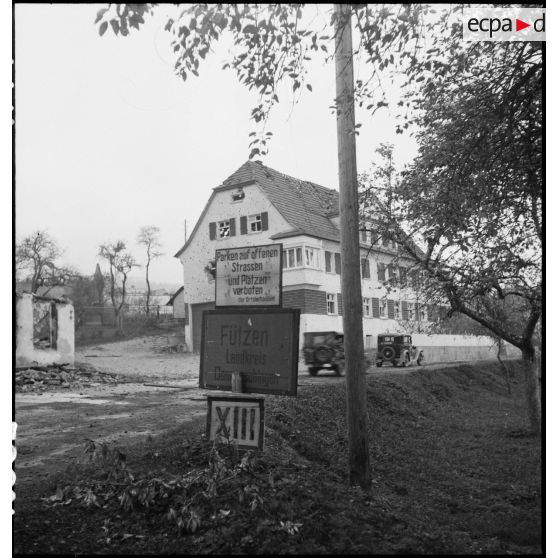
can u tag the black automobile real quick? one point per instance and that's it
(324, 350)
(398, 350)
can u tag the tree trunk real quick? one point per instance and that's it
(503, 365)
(532, 387)
(148, 289)
(359, 469)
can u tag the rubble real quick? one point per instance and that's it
(62, 376)
(178, 348)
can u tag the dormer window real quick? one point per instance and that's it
(238, 195)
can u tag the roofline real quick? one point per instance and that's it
(197, 226)
(298, 232)
(171, 299)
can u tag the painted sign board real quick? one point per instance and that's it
(248, 276)
(259, 344)
(236, 419)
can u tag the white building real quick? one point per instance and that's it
(257, 205)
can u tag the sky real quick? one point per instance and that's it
(109, 139)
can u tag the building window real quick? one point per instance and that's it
(254, 223)
(224, 228)
(397, 310)
(332, 262)
(364, 236)
(423, 314)
(331, 309)
(365, 268)
(381, 272)
(403, 276)
(366, 308)
(392, 272)
(302, 256)
(383, 308)
(311, 258)
(368, 342)
(292, 257)
(238, 195)
(411, 311)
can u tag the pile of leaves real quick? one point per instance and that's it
(63, 376)
(452, 472)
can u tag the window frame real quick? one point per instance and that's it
(218, 235)
(333, 301)
(383, 308)
(366, 307)
(251, 220)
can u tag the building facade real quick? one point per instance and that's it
(257, 205)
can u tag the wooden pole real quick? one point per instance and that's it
(359, 469)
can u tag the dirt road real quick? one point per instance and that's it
(53, 426)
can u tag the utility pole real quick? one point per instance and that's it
(359, 462)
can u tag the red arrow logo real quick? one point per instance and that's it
(519, 25)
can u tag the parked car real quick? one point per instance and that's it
(324, 350)
(398, 350)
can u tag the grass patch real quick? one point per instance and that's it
(450, 475)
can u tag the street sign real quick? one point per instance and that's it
(248, 276)
(260, 345)
(236, 419)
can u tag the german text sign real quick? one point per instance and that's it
(260, 344)
(248, 276)
(236, 419)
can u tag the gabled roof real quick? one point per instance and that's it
(306, 206)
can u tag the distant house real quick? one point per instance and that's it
(258, 205)
(177, 303)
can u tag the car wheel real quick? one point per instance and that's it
(313, 370)
(388, 353)
(339, 368)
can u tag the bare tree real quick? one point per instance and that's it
(36, 256)
(149, 237)
(120, 264)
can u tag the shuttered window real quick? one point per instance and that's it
(222, 229)
(340, 304)
(365, 268)
(404, 310)
(381, 272)
(328, 261)
(390, 310)
(337, 263)
(375, 307)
